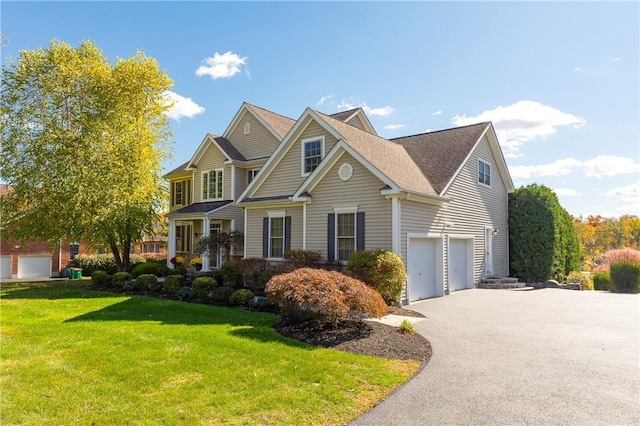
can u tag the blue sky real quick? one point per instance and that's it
(560, 81)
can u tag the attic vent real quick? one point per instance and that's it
(345, 172)
(247, 128)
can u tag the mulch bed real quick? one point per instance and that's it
(360, 337)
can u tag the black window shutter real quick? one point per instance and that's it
(265, 237)
(287, 233)
(360, 231)
(331, 237)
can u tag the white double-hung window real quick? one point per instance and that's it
(484, 172)
(312, 153)
(212, 185)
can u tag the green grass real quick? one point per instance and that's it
(75, 356)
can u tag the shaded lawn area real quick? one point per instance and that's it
(75, 356)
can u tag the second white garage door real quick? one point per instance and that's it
(34, 266)
(421, 268)
(459, 262)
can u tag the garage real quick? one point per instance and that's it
(34, 266)
(424, 256)
(460, 263)
(6, 263)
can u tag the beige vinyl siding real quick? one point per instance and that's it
(241, 181)
(186, 193)
(287, 177)
(212, 159)
(259, 143)
(363, 191)
(420, 218)
(357, 122)
(253, 233)
(475, 206)
(230, 213)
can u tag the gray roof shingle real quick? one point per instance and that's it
(228, 148)
(201, 207)
(439, 154)
(279, 123)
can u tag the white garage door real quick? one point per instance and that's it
(459, 264)
(6, 262)
(34, 266)
(421, 268)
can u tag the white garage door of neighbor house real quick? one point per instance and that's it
(459, 264)
(421, 268)
(6, 262)
(34, 266)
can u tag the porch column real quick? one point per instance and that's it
(206, 264)
(395, 226)
(171, 243)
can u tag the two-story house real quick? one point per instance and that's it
(329, 183)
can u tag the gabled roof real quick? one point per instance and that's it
(440, 154)
(390, 159)
(226, 148)
(178, 170)
(277, 122)
(348, 115)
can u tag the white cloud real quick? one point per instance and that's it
(222, 66)
(557, 168)
(610, 165)
(629, 192)
(566, 191)
(382, 111)
(393, 126)
(323, 99)
(616, 59)
(577, 69)
(438, 112)
(182, 107)
(521, 122)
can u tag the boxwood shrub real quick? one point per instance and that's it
(202, 287)
(146, 281)
(173, 283)
(240, 297)
(100, 278)
(120, 279)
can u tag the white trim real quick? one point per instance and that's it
(276, 213)
(395, 225)
(233, 183)
(347, 209)
(202, 148)
(303, 143)
(488, 244)
(247, 128)
(246, 233)
(171, 242)
(304, 226)
(246, 107)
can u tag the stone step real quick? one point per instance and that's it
(501, 285)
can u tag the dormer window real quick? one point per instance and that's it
(312, 153)
(247, 128)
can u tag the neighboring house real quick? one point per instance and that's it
(154, 246)
(329, 183)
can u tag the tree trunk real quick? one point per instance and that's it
(126, 254)
(116, 256)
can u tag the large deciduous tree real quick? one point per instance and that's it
(543, 243)
(83, 143)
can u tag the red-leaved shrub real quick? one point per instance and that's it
(617, 256)
(330, 295)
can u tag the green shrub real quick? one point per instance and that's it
(184, 293)
(178, 270)
(327, 295)
(231, 272)
(625, 277)
(100, 278)
(146, 282)
(601, 281)
(135, 260)
(221, 295)
(406, 327)
(241, 297)
(381, 269)
(146, 268)
(173, 283)
(102, 262)
(120, 279)
(582, 279)
(202, 286)
(543, 242)
(303, 258)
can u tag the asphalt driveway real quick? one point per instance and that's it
(538, 357)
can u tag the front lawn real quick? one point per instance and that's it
(75, 356)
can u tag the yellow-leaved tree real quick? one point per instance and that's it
(83, 145)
